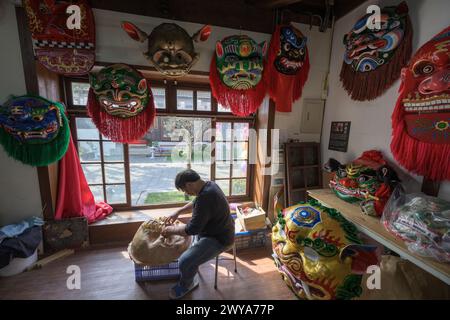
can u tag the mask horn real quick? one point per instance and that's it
(134, 32)
(202, 34)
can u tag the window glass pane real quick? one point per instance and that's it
(112, 151)
(80, 92)
(163, 153)
(204, 170)
(223, 131)
(222, 171)
(93, 173)
(116, 194)
(185, 100)
(221, 108)
(239, 169)
(201, 153)
(223, 151)
(97, 191)
(240, 150)
(224, 185)
(238, 187)
(86, 129)
(89, 151)
(240, 132)
(203, 101)
(159, 97)
(114, 173)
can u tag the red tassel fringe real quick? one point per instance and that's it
(118, 129)
(422, 158)
(370, 85)
(241, 102)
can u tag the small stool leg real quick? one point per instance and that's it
(234, 256)
(217, 267)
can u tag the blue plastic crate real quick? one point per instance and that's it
(251, 239)
(162, 272)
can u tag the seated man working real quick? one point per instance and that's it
(211, 221)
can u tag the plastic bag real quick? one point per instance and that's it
(422, 221)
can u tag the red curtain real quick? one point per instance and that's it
(75, 198)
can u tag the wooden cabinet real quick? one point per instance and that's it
(302, 169)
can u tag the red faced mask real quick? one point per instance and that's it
(57, 46)
(421, 119)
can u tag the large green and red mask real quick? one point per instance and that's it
(60, 49)
(120, 103)
(319, 254)
(34, 130)
(236, 74)
(421, 119)
(287, 66)
(367, 181)
(374, 57)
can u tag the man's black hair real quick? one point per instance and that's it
(185, 176)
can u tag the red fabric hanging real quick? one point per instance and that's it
(75, 198)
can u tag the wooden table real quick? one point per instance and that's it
(372, 227)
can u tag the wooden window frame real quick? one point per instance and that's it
(75, 111)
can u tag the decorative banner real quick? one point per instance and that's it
(374, 57)
(339, 135)
(34, 130)
(367, 180)
(287, 66)
(170, 48)
(319, 254)
(421, 119)
(60, 49)
(236, 74)
(120, 103)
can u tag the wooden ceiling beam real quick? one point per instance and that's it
(235, 14)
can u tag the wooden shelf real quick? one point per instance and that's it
(299, 177)
(372, 227)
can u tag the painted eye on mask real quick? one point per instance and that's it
(38, 118)
(423, 68)
(363, 178)
(341, 173)
(287, 46)
(311, 254)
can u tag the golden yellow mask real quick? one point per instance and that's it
(318, 252)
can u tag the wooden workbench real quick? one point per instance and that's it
(372, 227)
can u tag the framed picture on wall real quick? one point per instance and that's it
(339, 134)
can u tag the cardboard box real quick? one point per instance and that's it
(251, 220)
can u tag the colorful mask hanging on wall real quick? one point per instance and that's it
(34, 130)
(58, 48)
(319, 254)
(120, 103)
(236, 74)
(367, 180)
(374, 57)
(287, 66)
(421, 119)
(170, 47)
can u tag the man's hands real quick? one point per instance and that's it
(171, 219)
(171, 230)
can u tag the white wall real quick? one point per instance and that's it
(19, 187)
(319, 49)
(371, 121)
